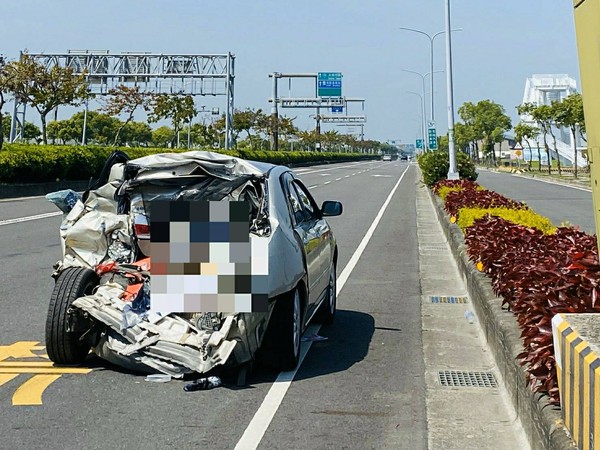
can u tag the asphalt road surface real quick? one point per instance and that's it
(560, 203)
(362, 388)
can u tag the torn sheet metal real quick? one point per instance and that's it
(169, 344)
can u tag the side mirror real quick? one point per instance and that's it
(330, 208)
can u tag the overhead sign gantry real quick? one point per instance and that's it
(183, 74)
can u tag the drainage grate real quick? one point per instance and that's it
(447, 299)
(461, 378)
(439, 248)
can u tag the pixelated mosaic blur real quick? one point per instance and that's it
(205, 260)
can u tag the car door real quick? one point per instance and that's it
(318, 228)
(305, 233)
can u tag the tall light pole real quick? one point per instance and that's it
(452, 172)
(422, 116)
(423, 76)
(431, 38)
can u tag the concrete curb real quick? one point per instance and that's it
(542, 421)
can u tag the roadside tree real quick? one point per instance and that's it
(125, 100)
(163, 136)
(134, 133)
(3, 91)
(569, 113)
(524, 133)
(468, 113)
(44, 88)
(203, 135)
(543, 115)
(180, 109)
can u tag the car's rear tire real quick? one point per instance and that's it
(326, 312)
(62, 346)
(280, 349)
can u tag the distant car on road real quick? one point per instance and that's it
(403, 157)
(386, 158)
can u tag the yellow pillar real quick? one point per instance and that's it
(587, 18)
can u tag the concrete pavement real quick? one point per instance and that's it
(473, 412)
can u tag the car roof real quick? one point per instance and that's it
(217, 164)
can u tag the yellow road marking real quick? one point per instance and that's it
(44, 370)
(26, 364)
(30, 392)
(22, 349)
(6, 377)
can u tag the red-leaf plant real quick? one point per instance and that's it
(537, 276)
(462, 184)
(473, 198)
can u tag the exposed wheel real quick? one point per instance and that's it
(326, 312)
(280, 348)
(62, 346)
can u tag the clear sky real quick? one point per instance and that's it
(502, 43)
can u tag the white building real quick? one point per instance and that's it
(542, 90)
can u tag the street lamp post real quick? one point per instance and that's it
(452, 172)
(422, 116)
(431, 41)
(423, 76)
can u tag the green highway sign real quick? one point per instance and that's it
(329, 84)
(419, 143)
(431, 134)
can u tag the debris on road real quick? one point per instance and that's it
(203, 384)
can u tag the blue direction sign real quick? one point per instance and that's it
(337, 109)
(329, 84)
(419, 143)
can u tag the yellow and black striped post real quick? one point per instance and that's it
(578, 369)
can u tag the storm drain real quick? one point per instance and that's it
(447, 299)
(434, 248)
(461, 378)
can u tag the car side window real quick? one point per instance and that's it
(296, 205)
(294, 202)
(308, 202)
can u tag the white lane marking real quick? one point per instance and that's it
(580, 188)
(325, 174)
(327, 182)
(382, 176)
(13, 199)
(354, 174)
(313, 186)
(334, 168)
(346, 176)
(28, 218)
(338, 179)
(264, 415)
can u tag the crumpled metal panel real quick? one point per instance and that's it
(111, 346)
(167, 165)
(167, 338)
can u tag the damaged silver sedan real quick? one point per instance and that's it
(102, 298)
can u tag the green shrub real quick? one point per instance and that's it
(26, 163)
(524, 217)
(434, 166)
